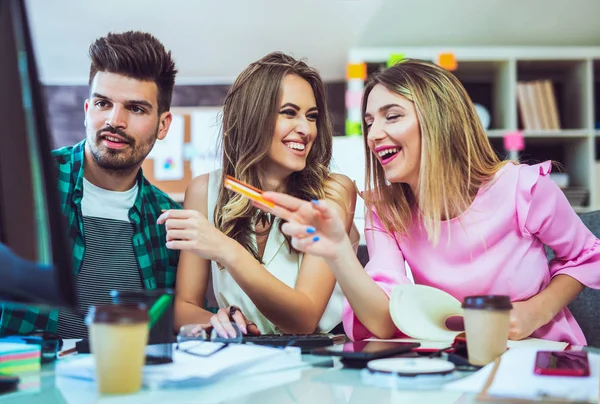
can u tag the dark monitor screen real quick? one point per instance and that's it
(32, 225)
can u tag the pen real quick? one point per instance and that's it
(155, 313)
(67, 352)
(158, 308)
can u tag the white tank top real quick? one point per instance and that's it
(278, 261)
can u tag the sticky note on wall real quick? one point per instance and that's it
(353, 99)
(447, 61)
(356, 71)
(395, 58)
(514, 141)
(353, 128)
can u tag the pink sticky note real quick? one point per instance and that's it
(353, 99)
(514, 141)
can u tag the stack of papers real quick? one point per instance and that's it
(17, 358)
(515, 379)
(190, 369)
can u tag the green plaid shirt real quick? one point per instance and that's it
(157, 264)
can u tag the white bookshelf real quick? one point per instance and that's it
(490, 75)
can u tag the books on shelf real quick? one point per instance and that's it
(537, 105)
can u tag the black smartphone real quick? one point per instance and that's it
(562, 363)
(8, 383)
(366, 350)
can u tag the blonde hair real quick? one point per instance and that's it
(249, 116)
(457, 158)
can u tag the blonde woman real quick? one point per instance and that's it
(277, 136)
(442, 202)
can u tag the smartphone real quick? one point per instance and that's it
(366, 350)
(562, 363)
(247, 190)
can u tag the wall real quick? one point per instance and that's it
(65, 106)
(212, 41)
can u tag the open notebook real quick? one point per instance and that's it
(434, 318)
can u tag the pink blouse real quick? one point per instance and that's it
(496, 247)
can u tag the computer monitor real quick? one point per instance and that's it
(31, 220)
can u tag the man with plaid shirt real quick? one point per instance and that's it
(111, 208)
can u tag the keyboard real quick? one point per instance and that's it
(307, 342)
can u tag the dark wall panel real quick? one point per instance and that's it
(65, 106)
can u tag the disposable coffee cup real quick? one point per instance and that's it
(487, 320)
(160, 336)
(118, 337)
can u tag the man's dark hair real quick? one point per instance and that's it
(138, 55)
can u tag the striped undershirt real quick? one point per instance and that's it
(109, 261)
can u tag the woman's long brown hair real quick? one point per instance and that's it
(456, 155)
(249, 117)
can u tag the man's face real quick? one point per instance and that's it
(122, 121)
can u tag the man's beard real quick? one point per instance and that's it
(120, 161)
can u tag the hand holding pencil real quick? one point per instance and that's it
(315, 227)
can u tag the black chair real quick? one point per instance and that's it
(586, 306)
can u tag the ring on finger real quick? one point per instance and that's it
(232, 310)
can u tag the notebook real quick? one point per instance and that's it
(432, 312)
(514, 379)
(16, 358)
(191, 369)
(429, 309)
(436, 318)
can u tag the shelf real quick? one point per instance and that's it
(596, 96)
(550, 134)
(570, 81)
(490, 75)
(496, 133)
(558, 134)
(488, 84)
(475, 53)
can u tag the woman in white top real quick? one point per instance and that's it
(276, 135)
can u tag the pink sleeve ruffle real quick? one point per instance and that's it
(528, 179)
(543, 211)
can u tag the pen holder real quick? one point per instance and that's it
(161, 336)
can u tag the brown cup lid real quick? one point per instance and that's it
(487, 302)
(118, 314)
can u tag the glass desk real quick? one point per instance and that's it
(322, 380)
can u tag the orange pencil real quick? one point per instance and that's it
(67, 352)
(247, 190)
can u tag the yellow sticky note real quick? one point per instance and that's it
(447, 61)
(395, 58)
(356, 71)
